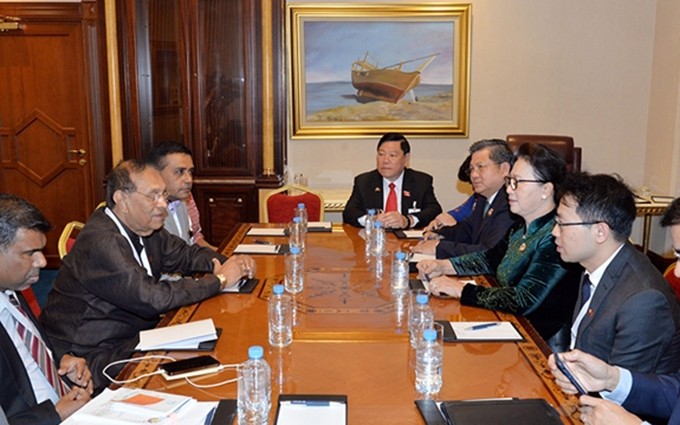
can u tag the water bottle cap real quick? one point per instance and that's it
(294, 250)
(371, 211)
(378, 224)
(421, 298)
(301, 206)
(297, 219)
(255, 352)
(401, 255)
(430, 334)
(278, 289)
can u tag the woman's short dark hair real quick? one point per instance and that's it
(548, 164)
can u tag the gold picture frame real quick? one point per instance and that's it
(361, 70)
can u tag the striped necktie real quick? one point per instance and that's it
(39, 352)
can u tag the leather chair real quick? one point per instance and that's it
(280, 204)
(562, 144)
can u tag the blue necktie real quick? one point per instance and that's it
(586, 288)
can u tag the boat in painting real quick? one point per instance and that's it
(389, 83)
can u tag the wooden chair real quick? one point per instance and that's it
(564, 145)
(280, 204)
(672, 279)
(68, 237)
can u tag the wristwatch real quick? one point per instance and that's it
(221, 278)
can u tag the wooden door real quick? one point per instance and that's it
(46, 152)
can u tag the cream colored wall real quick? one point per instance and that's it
(602, 71)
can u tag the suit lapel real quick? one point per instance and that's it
(407, 186)
(376, 191)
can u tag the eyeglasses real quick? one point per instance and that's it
(513, 182)
(577, 223)
(164, 195)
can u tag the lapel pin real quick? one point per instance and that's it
(377, 189)
(407, 193)
(490, 212)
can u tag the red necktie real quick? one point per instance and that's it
(39, 352)
(391, 204)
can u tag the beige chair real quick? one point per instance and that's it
(279, 204)
(562, 144)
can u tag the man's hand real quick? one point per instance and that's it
(443, 219)
(432, 268)
(444, 286)
(591, 372)
(234, 269)
(393, 220)
(76, 370)
(596, 411)
(74, 400)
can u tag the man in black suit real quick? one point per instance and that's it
(490, 218)
(404, 196)
(628, 315)
(26, 394)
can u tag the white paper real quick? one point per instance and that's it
(319, 224)
(413, 234)
(184, 336)
(300, 413)
(502, 331)
(98, 411)
(266, 231)
(256, 248)
(419, 257)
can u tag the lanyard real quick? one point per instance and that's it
(144, 260)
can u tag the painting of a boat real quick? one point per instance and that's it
(389, 83)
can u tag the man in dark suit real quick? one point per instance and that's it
(404, 196)
(628, 316)
(108, 287)
(490, 219)
(651, 395)
(27, 394)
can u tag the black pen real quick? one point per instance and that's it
(261, 242)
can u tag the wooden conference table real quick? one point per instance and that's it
(351, 338)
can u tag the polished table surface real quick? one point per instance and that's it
(351, 338)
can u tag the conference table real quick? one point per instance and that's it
(351, 338)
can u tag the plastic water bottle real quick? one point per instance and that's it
(295, 271)
(301, 212)
(421, 319)
(297, 234)
(254, 389)
(378, 240)
(280, 318)
(399, 272)
(368, 229)
(429, 358)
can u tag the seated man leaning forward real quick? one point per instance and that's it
(628, 315)
(404, 196)
(108, 287)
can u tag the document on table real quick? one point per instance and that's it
(483, 331)
(256, 248)
(409, 234)
(319, 226)
(315, 410)
(186, 336)
(266, 231)
(419, 257)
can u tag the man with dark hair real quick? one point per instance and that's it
(176, 166)
(31, 388)
(627, 315)
(645, 394)
(490, 219)
(404, 197)
(108, 287)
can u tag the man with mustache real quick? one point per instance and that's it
(175, 163)
(31, 391)
(109, 286)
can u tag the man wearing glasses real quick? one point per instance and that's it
(108, 287)
(627, 315)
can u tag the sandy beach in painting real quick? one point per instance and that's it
(437, 107)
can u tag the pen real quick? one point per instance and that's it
(482, 326)
(261, 242)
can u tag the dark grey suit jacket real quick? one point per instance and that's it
(478, 231)
(16, 393)
(417, 190)
(634, 319)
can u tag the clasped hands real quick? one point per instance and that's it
(76, 370)
(393, 220)
(434, 273)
